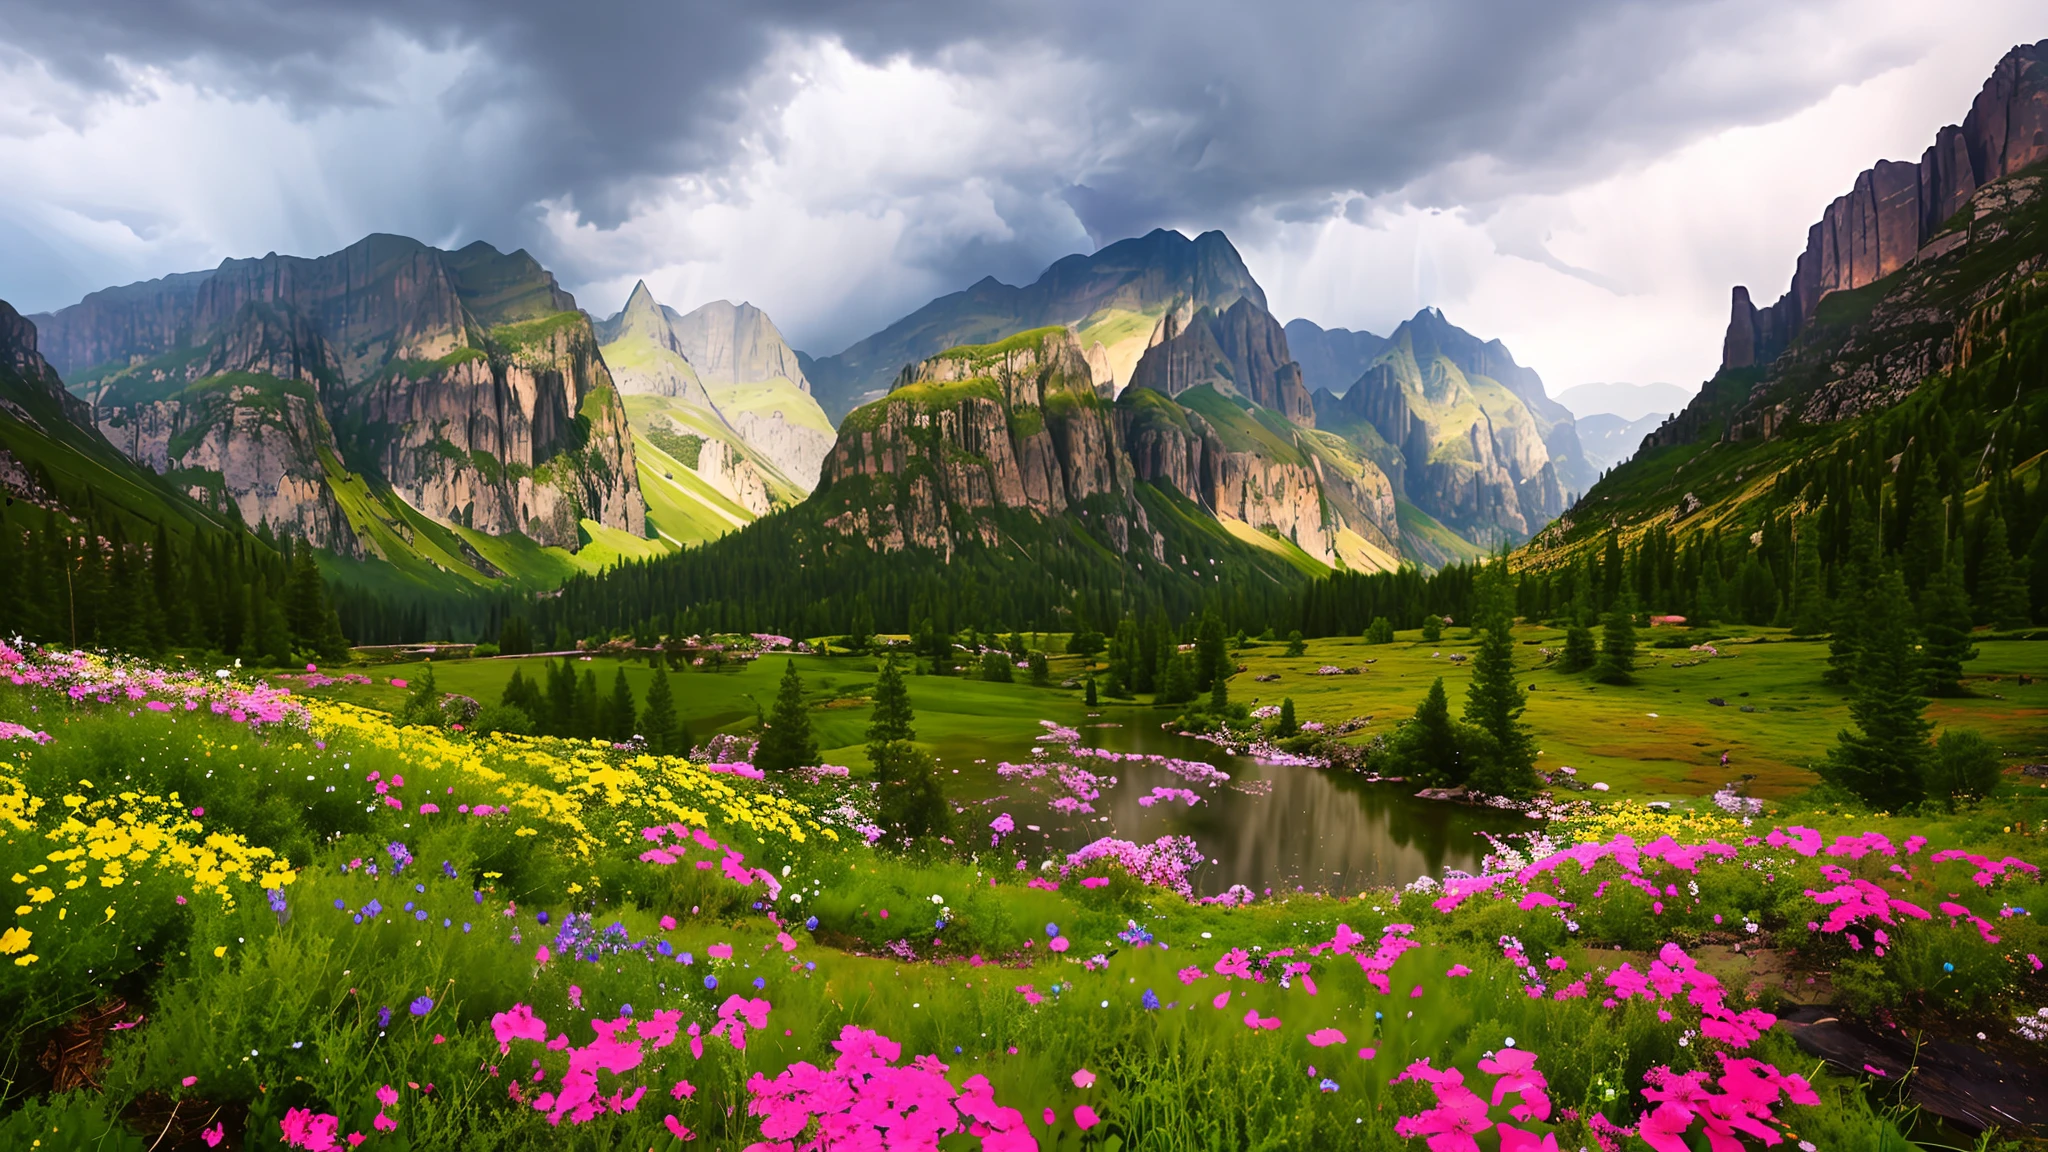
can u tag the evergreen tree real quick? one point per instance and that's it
(1212, 660)
(911, 804)
(586, 722)
(1962, 765)
(1881, 761)
(561, 711)
(515, 636)
(1288, 725)
(1219, 695)
(1041, 668)
(1579, 650)
(1945, 629)
(423, 705)
(1177, 686)
(2001, 591)
(658, 722)
(1380, 631)
(620, 721)
(1427, 749)
(1296, 646)
(786, 741)
(1493, 700)
(1617, 664)
(890, 721)
(1809, 582)
(996, 667)
(306, 601)
(1088, 696)
(1432, 628)
(1926, 540)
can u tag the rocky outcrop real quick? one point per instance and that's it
(644, 355)
(1241, 351)
(1894, 208)
(464, 381)
(1015, 426)
(736, 344)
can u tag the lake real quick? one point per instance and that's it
(1270, 827)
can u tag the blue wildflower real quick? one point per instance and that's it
(543, 917)
(711, 982)
(1328, 1085)
(341, 904)
(1150, 1000)
(625, 1009)
(421, 1006)
(1052, 929)
(420, 915)
(812, 924)
(759, 983)
(384, 1017)
(447, 869)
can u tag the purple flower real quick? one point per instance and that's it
(543, 918)
(811, 924)
(711, 982)
(421, 1006)
(1150, 1000)
(384, 1017)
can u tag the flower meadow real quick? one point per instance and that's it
(243, 918)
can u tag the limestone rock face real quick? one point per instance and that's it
(1012, 426)
(736, 344)
(464, 382)
(1241, 351)
(1894, 208)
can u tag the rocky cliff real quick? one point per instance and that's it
(464, 382)
(1331, 358)
(1894, 208)
(1241, 351)
(758, 383)
(1014, 426)
(1114, 298)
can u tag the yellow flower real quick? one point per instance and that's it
(221, 951)
(13, 940)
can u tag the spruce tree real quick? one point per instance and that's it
(1296, 646)
(912, 805)
(2001, 591)
(1211, 657)
(1579, 649)
(1041, 668)
(1288, 725)
(658, 722)
(586, 723)
(1809, 581)
(1432, 628)
(1177, 686)
(423, 705)
(561, 714)
(1617, 664)
(786, 741)
(889, 724)
(1219, 696)
(1088, 696)
(620, 718)
(1881, 761)
(1426, 749)
(1945, 629)
(1493, 700)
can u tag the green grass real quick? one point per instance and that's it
(1241, 429)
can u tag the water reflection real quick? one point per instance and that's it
(1271, 827)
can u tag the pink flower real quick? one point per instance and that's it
(683, 1090)
(1059, 944)
(1220, 1001)
(189, 1081)
(1084, 1079)
(1324, 1037)
(1458, 970)
(387, 1096)
(1516, 1068)
(677, 1129)
(1367, 1053)
(1086, 1117)
(1252, 1019)
(1095, 882)
(213, 1135)
(518, 1024)
(384, 1123)
(309, 1130)
(722, 951)
(668, 923)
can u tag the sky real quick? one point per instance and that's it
(1584, 179)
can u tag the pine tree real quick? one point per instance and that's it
(586, 721)
(786, 741)
(1219, 695)
(306, 601)
(912, 805)
(561, 713)
(1177, 686)
(619, 717)
(1881, 760)
(1617, 664)
(996, 667)
(1945, 628)
(423, 706)
(1211, 658)
(890, 722)
(1288, 725)
(515, 636)
(658, 722)
(1296, 646)
(1579, 650)
(1380, 631)
(1493, 700)
(2001, 592)
(1809, 582)
(1041, 668)
(1426, 749)
(1088, 696)
(1432, 628)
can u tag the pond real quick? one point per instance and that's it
(1270, 827)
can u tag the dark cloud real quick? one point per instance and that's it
(1200, 112)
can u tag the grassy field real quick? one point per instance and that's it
(1660, 738)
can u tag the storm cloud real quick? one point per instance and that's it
(841, 163)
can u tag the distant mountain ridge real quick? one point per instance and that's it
(390, 400)
(1116, 298)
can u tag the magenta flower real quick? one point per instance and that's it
(1324, 1037)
